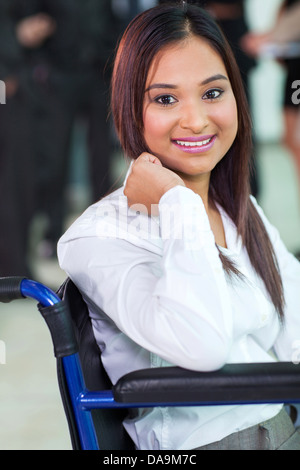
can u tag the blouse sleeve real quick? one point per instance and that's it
(176, 305)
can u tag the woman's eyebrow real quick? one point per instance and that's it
(213, 78)
(160, 85)
(169, 86)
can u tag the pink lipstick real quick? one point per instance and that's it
(195, 144)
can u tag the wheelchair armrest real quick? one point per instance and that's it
(277, 382)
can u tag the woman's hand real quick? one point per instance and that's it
(33, 30)
(253, 43)
(148, 181)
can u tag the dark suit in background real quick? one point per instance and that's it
(66, 76)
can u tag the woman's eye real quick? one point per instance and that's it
(213, 94)
(165, 100)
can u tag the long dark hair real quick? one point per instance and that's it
(229, 183)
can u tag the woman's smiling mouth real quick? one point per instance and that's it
(195, 144)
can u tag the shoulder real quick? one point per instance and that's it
(270, 228)
(112, 219)
(285, 258)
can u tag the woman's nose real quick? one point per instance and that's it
(194, 118)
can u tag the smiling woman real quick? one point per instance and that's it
(181, 259)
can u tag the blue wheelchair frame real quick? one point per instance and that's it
(82, 400)
(234, 384)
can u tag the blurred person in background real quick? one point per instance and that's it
(283, 42)
(16, 154)
(64, 50)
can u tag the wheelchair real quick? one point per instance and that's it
(95, 408)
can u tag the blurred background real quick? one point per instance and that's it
(58, 153)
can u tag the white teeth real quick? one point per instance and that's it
(193, 144)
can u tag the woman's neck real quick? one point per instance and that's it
(200, 185)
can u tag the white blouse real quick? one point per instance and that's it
(167, 301)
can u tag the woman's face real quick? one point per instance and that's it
(190, 114)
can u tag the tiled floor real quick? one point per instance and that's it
(31, 413)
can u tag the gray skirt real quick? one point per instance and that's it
(277, 433)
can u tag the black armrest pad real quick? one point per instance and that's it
(235, 383)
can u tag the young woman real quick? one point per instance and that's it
(181, 259)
